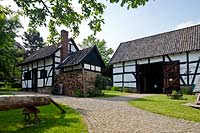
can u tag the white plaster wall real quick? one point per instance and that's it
(192, 67)
(117, 64)
(142, 61)
(48, 70)
(86, 66)
(130, 69)
(117, 84)
(181, 57)
(190, 78)
(34, 64)
(129, 63)
(117, 78)
(40, 82)
(183, 68)
(41, 63)
(30, 66)
(29, 83)
(194, 55)
(38, 74)
(130, 85)
(118, 70)
(57, 53)
(98, 68)
(23, 84)
(129, 77)
(73, 49)
(156, 59)
(48, 61)
(77, 67)
(92, 67)
(49, 82)
(197, 79)
(57, 59)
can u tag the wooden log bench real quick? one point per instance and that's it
(28, 102)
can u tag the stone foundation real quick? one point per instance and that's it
(82, 80)
(44, 90)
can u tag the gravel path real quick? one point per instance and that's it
(116, 115)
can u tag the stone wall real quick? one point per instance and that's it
(79, 79)
(44, 90)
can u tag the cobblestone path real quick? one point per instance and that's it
(113, 115)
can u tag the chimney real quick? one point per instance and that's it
(64, 45)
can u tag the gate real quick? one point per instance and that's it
(171, 76)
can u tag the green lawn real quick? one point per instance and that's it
(110, 93)
(162, 104)
(53, 121)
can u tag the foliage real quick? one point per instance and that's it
(94, 92)
(32, 40)
(9, 55)
(55, 13)
(101, 82)
(161, 104)
(8, 87)
(186, 90)
(110, 93)
(130, 90)
(101, 45)
(78, 93)
(53, 121)
(115, 88)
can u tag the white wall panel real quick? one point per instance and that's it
(197, 79)
(30, 66)
(184, 78)
(130, 69)
(73, 49)
(48, 70)
(183, 68)
(57, 59)
(156, 59)
(117, 78)
(129, 77)
(40, 82)
(29, 83)
(35, 64)
(98, 69)
(86, 66)
(117, 84)
(117, 64)
(190, 78)
(38, 74)
(192, 67)
(57, 53)
(77, 67)
(23, 84)
(92, 67)
(181, 57)
(133, 85)
(48, 61)
(142, 61)
(118, 70)
(41, 63)
(49, 82)
(194, 55)
(129, 63)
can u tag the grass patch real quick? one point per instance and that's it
(110, 93)
(161, 104)
(54, 121)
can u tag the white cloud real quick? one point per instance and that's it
(186, 24)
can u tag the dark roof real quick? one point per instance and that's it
(75, 58)
(41, 53)
(187, 39)
(81, 56)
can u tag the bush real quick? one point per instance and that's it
(108, 87)
(102, 82)
(94, 92)
(130, 90)
(78, 93)
(186, 90)
(16, 85)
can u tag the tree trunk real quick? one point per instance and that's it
(20, 101)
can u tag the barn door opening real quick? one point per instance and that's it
(171, 76)
(150, 78)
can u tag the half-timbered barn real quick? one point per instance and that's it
(65, 66)
(160, 62)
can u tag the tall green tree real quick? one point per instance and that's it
(32, 40)
(55, 13)
(101, 45)
(9, 24)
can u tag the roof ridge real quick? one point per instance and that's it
(162, 33)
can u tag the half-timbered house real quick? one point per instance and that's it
(160, 62)
(65, 66)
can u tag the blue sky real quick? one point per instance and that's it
(122, 25)
(155, 17)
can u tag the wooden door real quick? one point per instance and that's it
(171, 76)
(34, 80)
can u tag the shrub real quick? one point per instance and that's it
(102, 82)
(108, 87)
(186, 90)
(94, 92)
(130, 90)
(16, 85)
(78, 93)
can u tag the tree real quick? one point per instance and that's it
(9, 23)
(101, 45)
(32, 40)
(54, 13)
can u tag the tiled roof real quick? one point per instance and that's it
(41, 53)
(187, 39)
(75, 58)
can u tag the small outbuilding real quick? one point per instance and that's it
(158, 63)
(63, 68)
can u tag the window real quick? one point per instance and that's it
(27, 75)
(43, 73)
